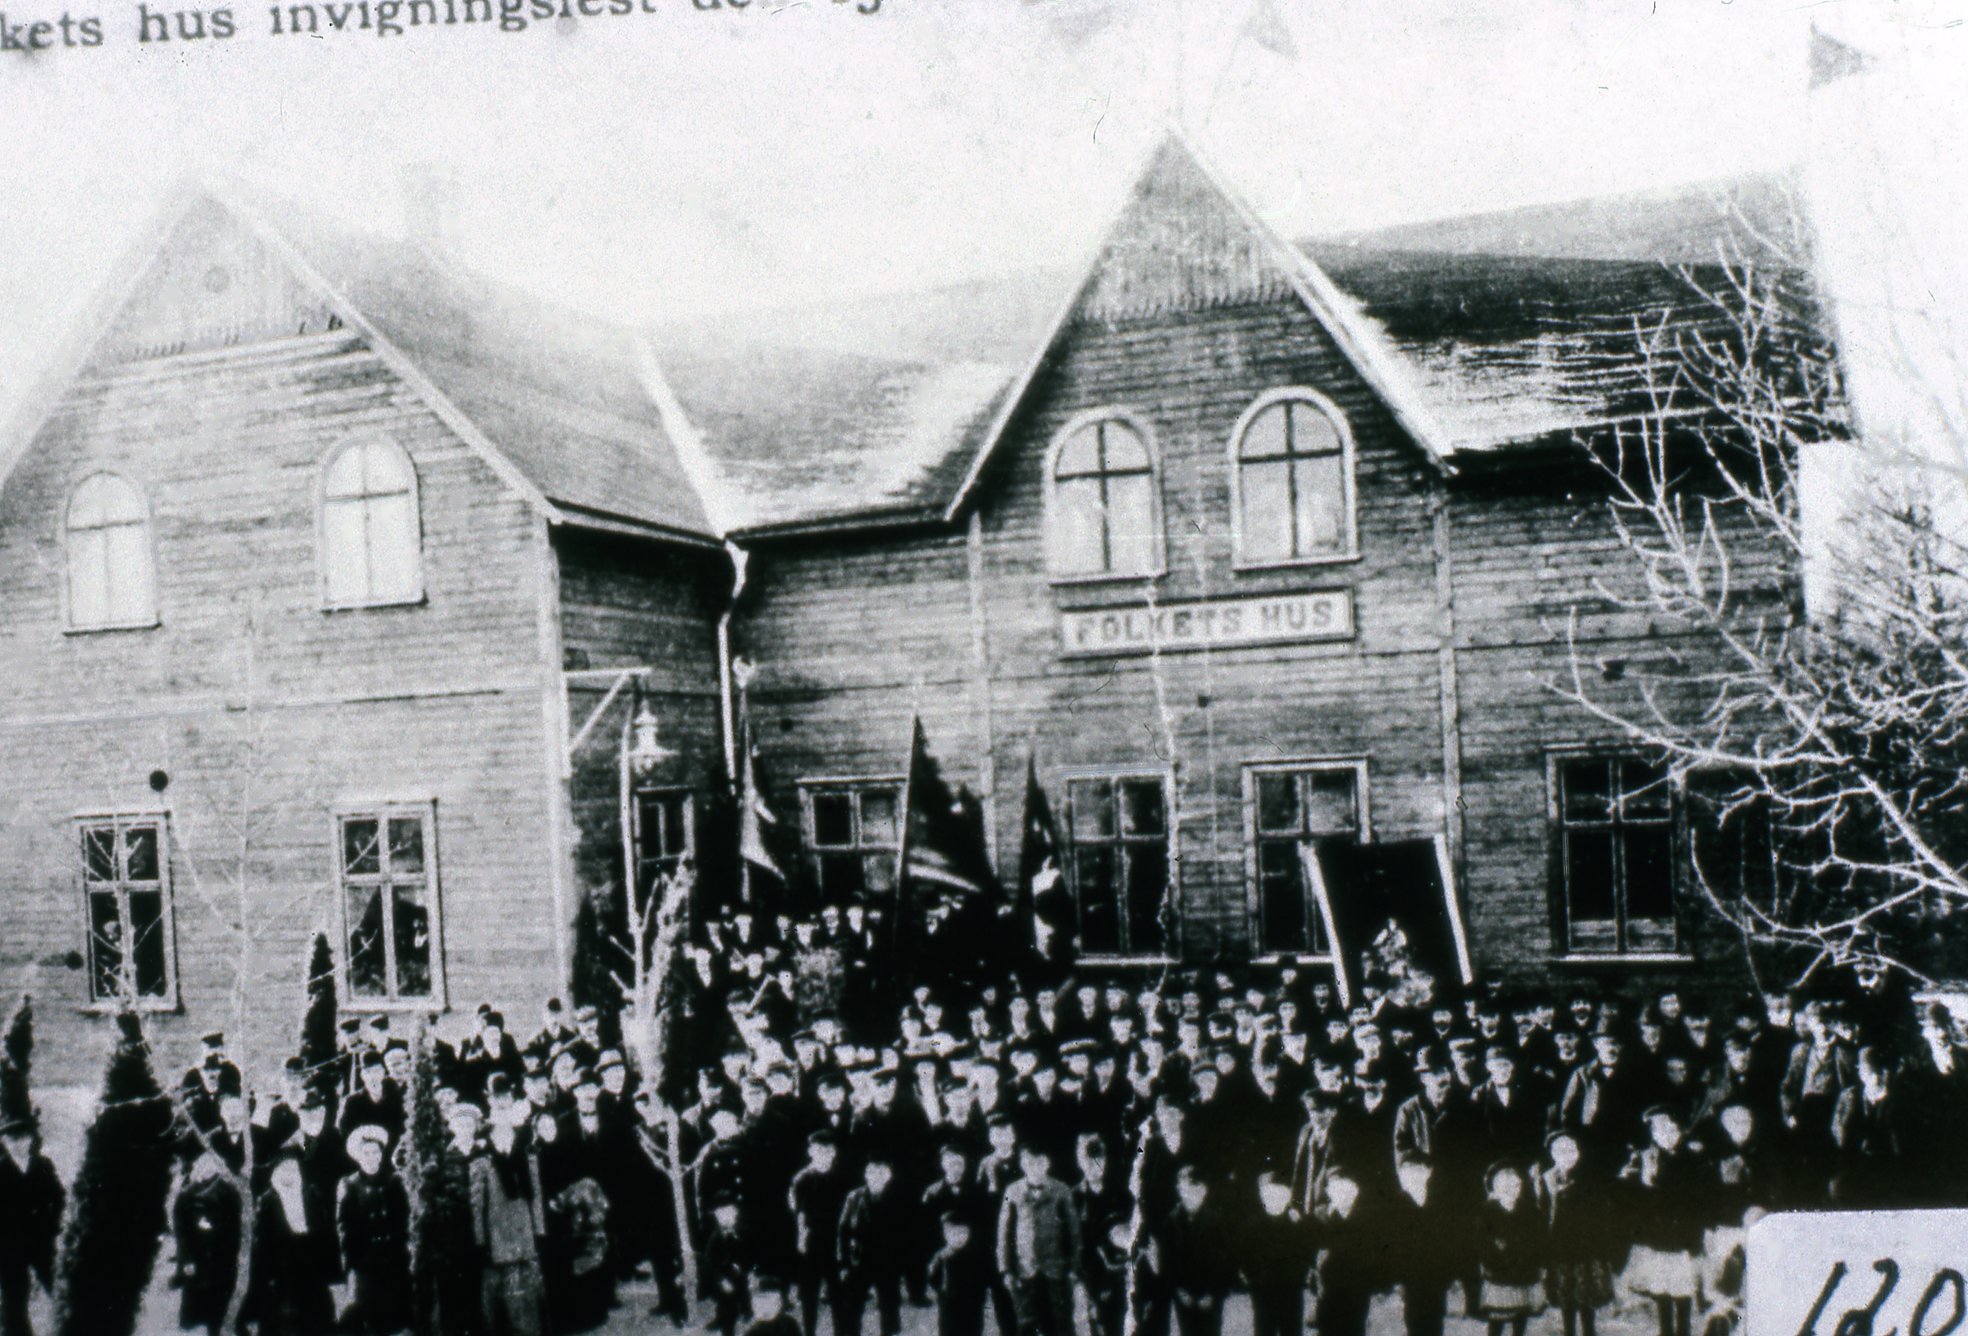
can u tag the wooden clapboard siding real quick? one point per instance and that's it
(1453, 707)
(627, 603)
(855, 634)
(1535, 552)
(257, 703)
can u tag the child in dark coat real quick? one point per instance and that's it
(372, 1218)
(960, 1276)
(723, 1268)
(872, 1249)
(1668, 1185)
(1511, 1251)
(1275, 1256)
(1578, 1270)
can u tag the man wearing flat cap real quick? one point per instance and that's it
(31, 1217)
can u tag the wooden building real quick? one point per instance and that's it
(333, 583)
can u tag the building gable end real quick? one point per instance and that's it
(1185, 241)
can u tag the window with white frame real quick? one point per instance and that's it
(386, 866)
(1292, 458)
(1291, 805)
(126, 892)
(111, 582)
(664, 835)
(853, 832)
(1103, 515)
(1615, 833)
(1118, 866)
(371, 533)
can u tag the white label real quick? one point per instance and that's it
(1859, 1273)
(1268, 619)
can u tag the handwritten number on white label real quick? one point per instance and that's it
(1945, 1276)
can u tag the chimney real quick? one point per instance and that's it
(428, 190)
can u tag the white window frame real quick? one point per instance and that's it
(1354, 765)
(151, 617)
(1165, 775)
(160, 818)
(689, 796)
(1555, 759)
(382, 811)
(1348, 476)
(1072, 427)
(857, 785)
(417, 593)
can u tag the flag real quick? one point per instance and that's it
(754, 816)
(1045, 909)
(1266, 27)
(942, 843)
(1832, 59)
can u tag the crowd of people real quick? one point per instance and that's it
(1119, 1152)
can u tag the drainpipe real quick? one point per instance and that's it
(727, 703)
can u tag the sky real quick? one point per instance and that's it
(668, 164)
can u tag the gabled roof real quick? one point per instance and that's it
(1532, 322)
(1478, 333)
(810, 434)
(559, 393)
(551, 398)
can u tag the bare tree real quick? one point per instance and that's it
(1822, 743)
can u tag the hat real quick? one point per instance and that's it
(499, 1085)
(312, 1099)
(213, 1039)
(372, 1059)
(352, 1025)
(379, 1023)
(465, 1107)
(1075, 1047)
(493, 1018)
(368, 1132)
(293, 1066)
(586, 1014)
(609, 1058)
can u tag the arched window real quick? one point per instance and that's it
(1293, 463)
(1104, 514)
(369, 527)
(110, 580)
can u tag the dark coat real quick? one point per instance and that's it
(874, 1233)
(32, 1216)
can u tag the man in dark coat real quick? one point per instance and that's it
(816, 1196)
(29, 1222)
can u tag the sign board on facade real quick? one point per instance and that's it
(1266, 619)
(1858, 1273)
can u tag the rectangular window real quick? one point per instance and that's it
(126, 889)
(664, 834)
(853, 829)
(1289, 806)
(386, 864)
(1615, 819)
(1118, 837)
